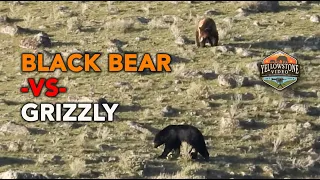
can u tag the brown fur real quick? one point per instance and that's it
(207, 30)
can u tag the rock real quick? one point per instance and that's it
(180, 41)
(14, 147)
(112, 159)
(18, 2)
(307, 125)
(191, 74)
(174, 2)
(315, 18)
(253, 66)
(21, 175)
(301, 108)
(303, 2)
(264, 6)
(140, 38)
(239, 50)
(247, 96)
(43, 39)
(313, 111)
(242, 81)
(14, 129)
(118, 42)
(123, 85)
(56, 159)
(228, 20)
(209, 75)
(114, 49)
(11, 30)
(39, 40)
(74, 24)
(211, 12)
(141, 128)
(241, 10)
(62, 8)
(246, 53)
(104, 147)
(3, 147)
(143, 20)
(43, 27)
(246, 137)
(256, 23)
(29, 43)
(227, 80)
(222, 49)
(243, 52)
(250, 123)
(241, 14)
(168, 111)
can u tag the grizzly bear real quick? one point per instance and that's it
(206, 31)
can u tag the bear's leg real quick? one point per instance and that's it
(202, 149)
(216, 38)
(204, 152)
(210, 41)
(177, 152)
(197, 39)
(203, 43)
(194, 155)
(165, 152)
(176, 146)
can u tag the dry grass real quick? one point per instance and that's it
(77, 167)
(122, 25)
(74, 24)
(248, 4)
(197, 91)
(175, 30)
(131, 163)
(158, 23)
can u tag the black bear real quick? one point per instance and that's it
(173, 135)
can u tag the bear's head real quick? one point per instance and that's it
(204, 33)
(159, 139)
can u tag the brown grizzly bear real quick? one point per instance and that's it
(207, 32)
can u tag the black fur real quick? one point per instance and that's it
(173, 135)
